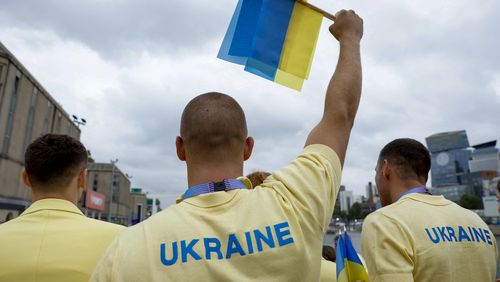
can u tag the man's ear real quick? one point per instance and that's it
(249, 142)
(82, 179)
(179, 145)
(386, 169)
(26, 178)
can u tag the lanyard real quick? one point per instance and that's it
(210, 187)
(421, 190)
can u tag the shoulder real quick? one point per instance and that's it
(103, 226)
(320, 152)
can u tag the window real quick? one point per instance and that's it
(1, 83)
(31, 115)
(95, 183)
(10, 117)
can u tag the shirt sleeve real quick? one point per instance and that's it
(387, 249)
(105, 267)
(310, 184)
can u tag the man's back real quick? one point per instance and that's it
(271, 233)
(428, 238)
(52, 241)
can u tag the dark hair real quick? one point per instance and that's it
(411, 158)
(498, 185)
(54, 160)
(329, 253)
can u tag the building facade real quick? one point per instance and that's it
(27, 111)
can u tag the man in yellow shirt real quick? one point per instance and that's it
(418, 236)
(52, 240)
(222, 229)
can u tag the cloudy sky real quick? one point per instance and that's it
(129, 68)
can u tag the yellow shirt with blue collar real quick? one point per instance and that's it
(52, 241)
(428, 238)
(273, 232)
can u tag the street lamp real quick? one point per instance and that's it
(113, 162)
(79, 121)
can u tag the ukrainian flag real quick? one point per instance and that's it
(274, 39)
(349, 265)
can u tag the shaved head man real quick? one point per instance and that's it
(222, 228)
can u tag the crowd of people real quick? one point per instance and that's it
(264, 227)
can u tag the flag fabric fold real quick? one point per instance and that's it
(349, 265)
(274, 39)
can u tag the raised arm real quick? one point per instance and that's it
(344, 90)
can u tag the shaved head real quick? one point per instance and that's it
(213, 126)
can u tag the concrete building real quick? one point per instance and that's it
(27, 111)
(139, 205)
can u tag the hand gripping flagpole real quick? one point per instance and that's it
(319, 10)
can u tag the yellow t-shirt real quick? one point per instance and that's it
(52, 241)
(428, 238)
(271, 233)
(328, 271)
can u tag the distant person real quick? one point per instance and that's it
(257, 177)
(52, 240)
(498, 194)
(417, 236)
(222, 231)
(328, 266)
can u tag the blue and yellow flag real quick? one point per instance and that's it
(349, 265)
(274, 39)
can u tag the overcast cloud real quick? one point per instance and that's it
(129, 68)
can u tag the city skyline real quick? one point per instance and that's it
(428, 68)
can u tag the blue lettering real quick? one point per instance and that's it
(488, 237)
(471, 234)
(435, 240)
(233, 246)
(185, 250)
(479, 234)
(163, 256)
(281, 232)
(212, 249)
(443, 234)
(248, 236)
(462, 234)
(451, 232)
(259, 237)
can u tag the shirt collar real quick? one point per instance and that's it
(52, 204)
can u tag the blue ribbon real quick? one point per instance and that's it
(210, 187)
(421, 190)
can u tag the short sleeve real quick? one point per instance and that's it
(387, 249)
(105, 267)
(310, 183)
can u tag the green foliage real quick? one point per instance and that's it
(471, 202)
(90, 160)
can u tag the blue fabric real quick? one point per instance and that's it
(228, 39)
(245, 28)
(351, 253)
(270, 37)
(341, 254)
(209, 187)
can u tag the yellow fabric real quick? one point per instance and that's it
(52, 241)
(328, 271)
(292, 207)
(298, 49)
(397, 247)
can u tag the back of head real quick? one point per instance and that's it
(213, 127)
(410, 157)
(329, 253)
(53, 161)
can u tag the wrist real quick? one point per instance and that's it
(349, 41)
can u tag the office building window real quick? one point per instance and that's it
(31, 116)
(95, 183)
(10, 117)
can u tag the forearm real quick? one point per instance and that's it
(344, 91)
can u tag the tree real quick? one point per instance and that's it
(355, 211)
(90, 160)
(471, 202)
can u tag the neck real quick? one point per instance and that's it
(404, 186)
(65, 195)
(198, 174)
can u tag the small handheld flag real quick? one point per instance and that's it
(349, 265)
(274, 39)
